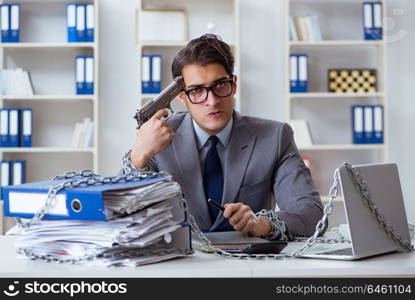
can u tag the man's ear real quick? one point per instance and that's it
(235, 83)
(182, 98)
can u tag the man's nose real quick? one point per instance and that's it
(211, 99)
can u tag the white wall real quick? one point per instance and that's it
(262, 79)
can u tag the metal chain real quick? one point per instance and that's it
(405, 246)
(88, 178)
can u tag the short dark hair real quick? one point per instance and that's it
(209, 48)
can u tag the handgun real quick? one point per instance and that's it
(161, 101)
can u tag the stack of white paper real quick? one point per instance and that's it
(142, 221)
(15, 83)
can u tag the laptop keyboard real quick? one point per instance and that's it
(347, 251)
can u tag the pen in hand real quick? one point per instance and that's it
(211, 202)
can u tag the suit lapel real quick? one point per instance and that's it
(237, 157)
(187, 157)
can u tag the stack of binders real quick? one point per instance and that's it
(15, 127)
(12, 172)
(372, 20)
(298, 73)
(124, 224)
(10, 23)
(80, 22)
(367, 124)
(84, 75)
(151, 74)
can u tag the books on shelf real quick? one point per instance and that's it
(367, 124)
(12, 172)
(80, 20)
(151, 74)
(83, 134)
(302, 133)
(298, 73)
(15, 82)
(126, 222)
(84, 75)
(372, 20)
(305, 28)
(15, 127)
(10, 23)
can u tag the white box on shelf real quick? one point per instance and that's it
(163, 25)
(302, 135)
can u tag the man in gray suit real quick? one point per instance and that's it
(245, 164)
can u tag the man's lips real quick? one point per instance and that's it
(215, 114)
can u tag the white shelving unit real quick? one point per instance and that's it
(329, 114)
(223, 13)
(44, 51)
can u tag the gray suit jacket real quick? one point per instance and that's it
(261, 165)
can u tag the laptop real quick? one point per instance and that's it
(367, 236)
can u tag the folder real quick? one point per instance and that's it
(357, 124)
(89, 75)
(26, 133)
(80, 203)
(4, 173)
(156, 74)
(14, 23)
(378, 124)
(293, 73)
(146, 74)
(14, 127)
(5, 23)
(80, 23)
(90, 23)
(302, 74)
(368, 124)
(377, 30)
(4, 127)
(71, 22)
(18, 172)
(80, 74)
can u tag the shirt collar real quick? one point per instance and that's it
(224, 135)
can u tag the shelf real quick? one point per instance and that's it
(163, 43)
(45, 150)
(50, 97)
(48, 45)
(346, 147)
(335, 95)
(336, 43)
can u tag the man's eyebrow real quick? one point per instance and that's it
(200, 85)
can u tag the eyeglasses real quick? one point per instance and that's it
(220, 89)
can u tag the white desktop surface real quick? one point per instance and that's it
(209, 265)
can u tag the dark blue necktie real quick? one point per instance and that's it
(213, 177)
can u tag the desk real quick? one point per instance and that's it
(209, 265)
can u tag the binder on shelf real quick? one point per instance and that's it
(18, 172)
(26, 133)
(5, 23)
(80, 74)
(372, 20)
(155, 74)
(368, 124)
(4, 173)
(71, 22)
(14, 127)
(14, 23)
(378, 124)
(298, 73)
(89, 75)
(358, 124)
(90, 23)
(80, 23)
(4, 127)
(293, 31)
(293, 73)
(80, 203)
(146, 74)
